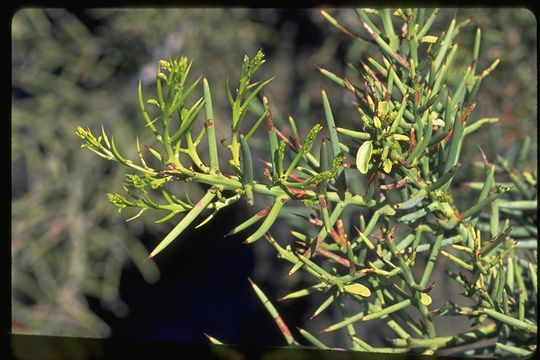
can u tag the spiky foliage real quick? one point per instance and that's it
(405, 147)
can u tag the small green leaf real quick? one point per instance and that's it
(383, 108)
(363, 156)
(377, 122)
(429, 39)
(357, 289)
(119, 201)
(156, 154)
(152, 102)
(401, 137)
(387, 166)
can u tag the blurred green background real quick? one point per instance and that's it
(78, 267)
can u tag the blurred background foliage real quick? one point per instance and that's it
(74, 256)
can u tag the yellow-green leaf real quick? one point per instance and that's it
(357, 289)
(399, 13)
(156, 154)
(152, 102)
(425, 299)
(377, 122)
(383, 108)
(480, 282)
(363, 156)
(387, 166)
(429, 39)
(529, 177)
(401, 137)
